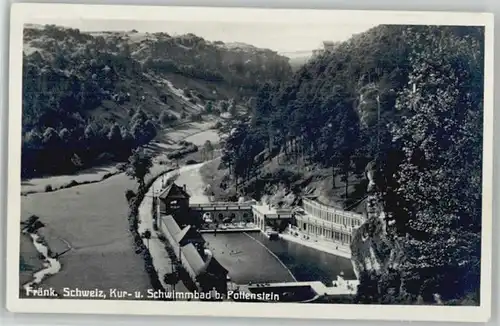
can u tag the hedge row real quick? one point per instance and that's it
(179, 153)
(140, 247)
(72, 183)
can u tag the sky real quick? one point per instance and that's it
(284, 38)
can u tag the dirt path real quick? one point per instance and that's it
(191, 177)
(161, 260)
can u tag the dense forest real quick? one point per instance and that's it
(409, 101)
(92, 97)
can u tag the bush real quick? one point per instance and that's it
(129, 194)
(121, 166)
(171, 278)
(190, 162)
(107, 175)
(164, 98)
(179, 153)
(196, 117)
(166, 117)
(209, 108)
(48, 188)
(32, 219)
(140, 247)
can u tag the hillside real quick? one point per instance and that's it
(405, 104)
(298, 58)
(78, 83)
(297, 123)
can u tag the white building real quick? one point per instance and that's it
(326, 46)
(324, 222)
(266, 216)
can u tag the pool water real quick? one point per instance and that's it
(252, 257)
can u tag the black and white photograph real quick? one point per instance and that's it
(313, 161)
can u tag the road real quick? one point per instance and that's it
(190, 176)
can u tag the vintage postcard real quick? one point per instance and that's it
(250, 162)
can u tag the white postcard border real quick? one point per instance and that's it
(22, 13)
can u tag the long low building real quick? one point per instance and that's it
(324, 222)
(188, 246)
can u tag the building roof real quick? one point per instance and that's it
(188, 233)
(171, 225)
(214, 267)
(181, 235)
(193, 258)
(198, 265)
(269, 210)
(174, 191)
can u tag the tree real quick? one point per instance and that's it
(127, 142)
(208, 149)
(89, 132)
(209, 107)
(51, 137)
(65, 136)
(143, 129)
(171, 279)
(77, 161)
(367, 292)
(232, 109)
(33, 139)
(139, 117)
(139, 165)
(224, 106)
(230, 154)
(166, 117)
(146, 235)
(150, 130)
(440, 176)
(115, 135)
(348, 142)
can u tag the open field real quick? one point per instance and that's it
(195, 132)
(93, 220)
(88, 175)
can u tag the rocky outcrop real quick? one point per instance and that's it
(373, 248)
